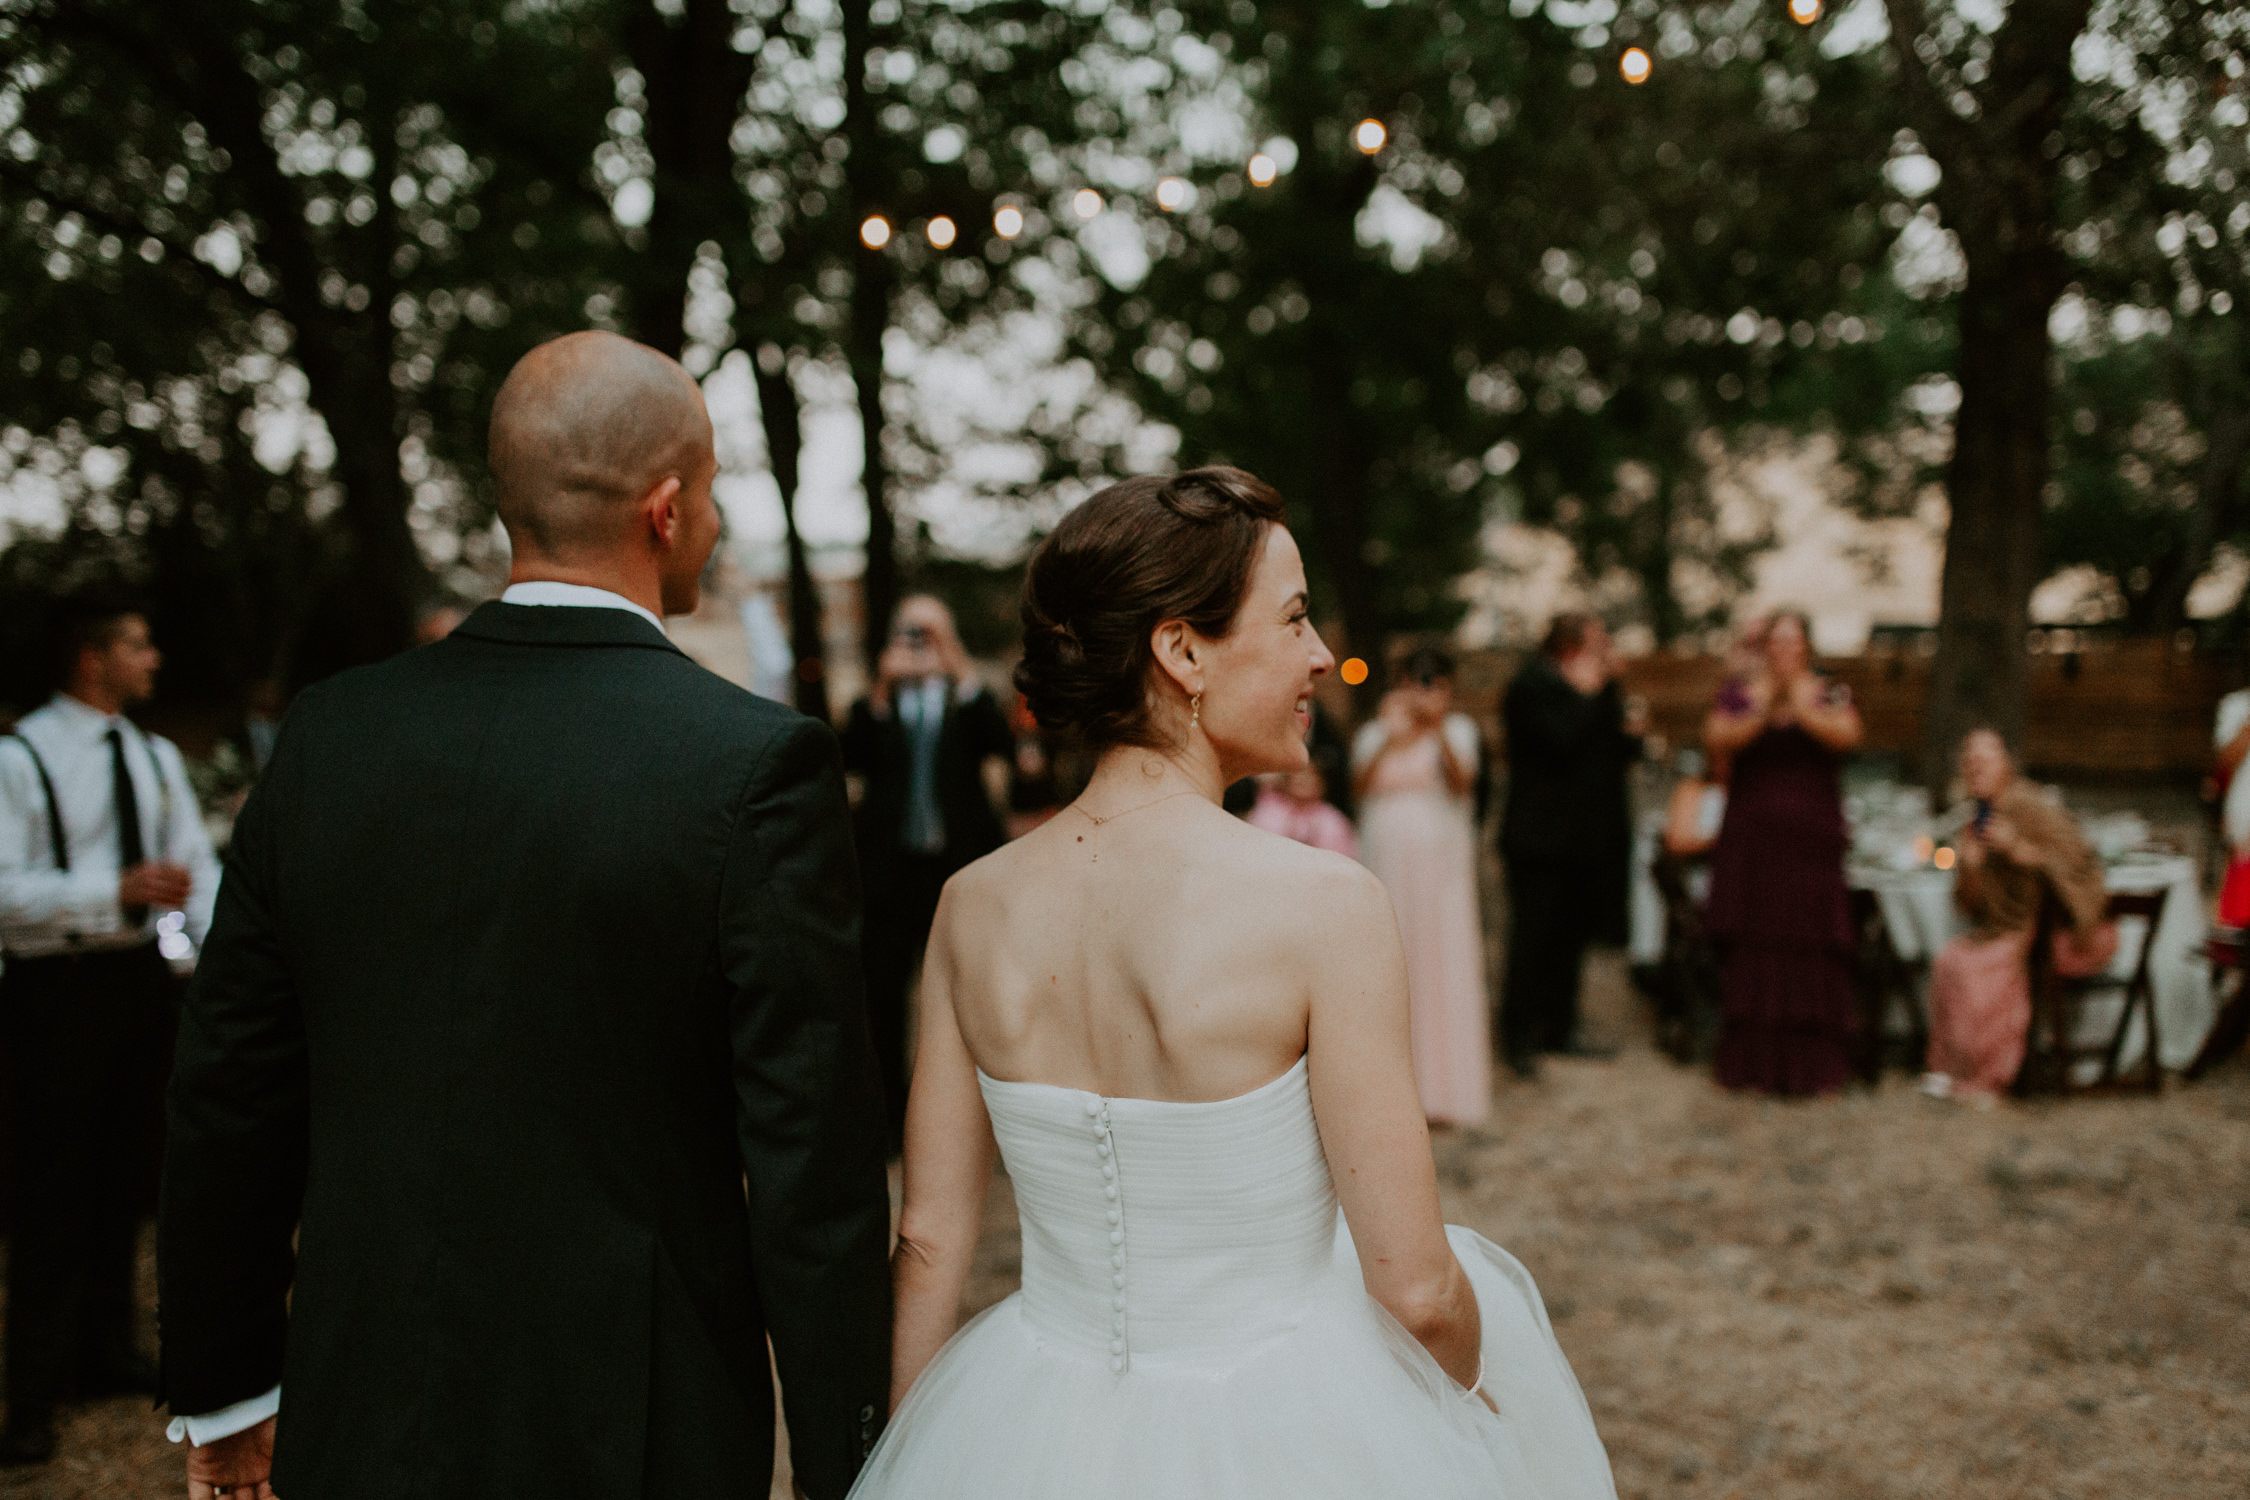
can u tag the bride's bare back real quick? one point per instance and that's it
(1164, 953)
(1144, 944)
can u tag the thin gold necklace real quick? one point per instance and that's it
(1113, 817)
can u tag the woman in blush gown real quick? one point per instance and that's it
(1415, 766)
(1188, 1042)
(1777, 909)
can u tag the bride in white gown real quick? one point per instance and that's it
(1187, 1039)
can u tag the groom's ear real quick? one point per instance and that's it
(660, 510)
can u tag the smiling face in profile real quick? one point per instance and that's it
(1259, 676)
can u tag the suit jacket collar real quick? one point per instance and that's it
(561, 625)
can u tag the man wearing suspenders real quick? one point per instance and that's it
(106, 884)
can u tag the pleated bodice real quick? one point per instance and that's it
(1160, 1231)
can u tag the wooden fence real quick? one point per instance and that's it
(2134, 709)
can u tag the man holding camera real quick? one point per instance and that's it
(917, 747)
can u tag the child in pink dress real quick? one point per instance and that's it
(1295, 806)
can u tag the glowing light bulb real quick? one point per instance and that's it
(1007, 221)
(1633, 67)
(1369, 136)
(1085, 203)
(1804, 12)
(1263, 170)
(1171, 195)
(942, 232)
(874, 231)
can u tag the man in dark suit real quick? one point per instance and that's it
(919, 743)
(1565, 832)
(532, 1006)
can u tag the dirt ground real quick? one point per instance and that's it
(1873, 1296)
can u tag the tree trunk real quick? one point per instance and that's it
(1997, 193)
(778, 412)
(1996, 486)
(377, 576)
(870, 319)
(695, 82)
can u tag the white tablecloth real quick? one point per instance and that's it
(1918, 911)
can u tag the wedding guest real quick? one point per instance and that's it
(2231, 740)
(102, 851)
(1415, 766)
(2016, 847)
(1695, 810)
(1295, 805)
(1777, 909)
(1566, 832)
(920, 742)
(1034, 781)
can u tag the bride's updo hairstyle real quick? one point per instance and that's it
(1147, 550)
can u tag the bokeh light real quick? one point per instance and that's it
(942, 232)
(1943, 859)
(1804, 12)
(1263, 170)
(874, 231)
(1633, 66)
(1171, 195)
(1369, 136)
(1007, 221)
(1353, 671)
(1086, 203)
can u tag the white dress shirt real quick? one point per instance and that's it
(244, 1415)
(45, 910)
(573, 595)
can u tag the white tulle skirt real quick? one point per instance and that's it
(1345, 1404)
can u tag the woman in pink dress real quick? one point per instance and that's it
(1415, 767)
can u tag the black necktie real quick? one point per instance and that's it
(129, 851)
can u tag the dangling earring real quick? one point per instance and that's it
(1196, 716)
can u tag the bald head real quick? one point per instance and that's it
(583, 427)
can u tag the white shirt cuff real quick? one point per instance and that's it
(225, 1422)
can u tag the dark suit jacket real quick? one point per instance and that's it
(876, 748)
(534, 946)
(1567, 759)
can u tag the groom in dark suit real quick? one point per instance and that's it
(532, 1009)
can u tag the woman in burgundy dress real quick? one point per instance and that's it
(1777, 908)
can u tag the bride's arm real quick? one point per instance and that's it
(1371, 1123)
(948, 1169)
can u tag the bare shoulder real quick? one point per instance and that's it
(1318, 885)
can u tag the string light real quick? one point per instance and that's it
(1086, 203)
(1633, 67)
(942, 232)
(1263, 170)
(1804, 12)
(874, 231)
(1369, 136)
(1171, 195)
(1007, 221)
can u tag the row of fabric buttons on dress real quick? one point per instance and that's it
(1105, 1150)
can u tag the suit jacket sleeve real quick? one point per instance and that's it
(807, 1104)
(235, 1156)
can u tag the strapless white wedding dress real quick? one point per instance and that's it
(1193, 1323)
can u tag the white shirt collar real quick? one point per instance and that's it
(573, 596)
(81, 716)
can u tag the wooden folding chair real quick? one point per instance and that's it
(2052, 1052)
(2229, 952)
(1880, 976)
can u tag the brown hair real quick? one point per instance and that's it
(1566, 633)
(1147, 550)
